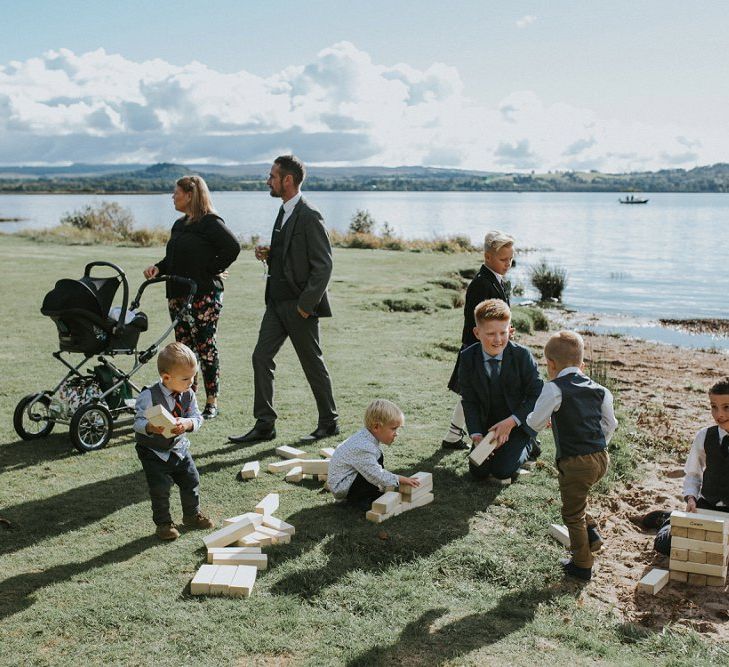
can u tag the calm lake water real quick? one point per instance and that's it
(664, 259)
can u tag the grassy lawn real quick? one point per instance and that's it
(471, 579)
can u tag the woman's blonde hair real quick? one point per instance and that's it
(201, 204)
(383, 412)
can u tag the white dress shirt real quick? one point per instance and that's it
(696, 464)
(288, 208)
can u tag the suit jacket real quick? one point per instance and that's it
(484, 286)
(519, 379)
(307, 259)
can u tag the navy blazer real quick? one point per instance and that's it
(519, 378)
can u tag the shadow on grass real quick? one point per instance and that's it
(16, 593)
(350, 542)
(420, 643)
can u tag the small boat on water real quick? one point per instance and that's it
(632, 199)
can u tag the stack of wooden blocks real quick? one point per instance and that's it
(699, 551)
(699, 548)
(297, 466)
(408, 498)
(234, 552)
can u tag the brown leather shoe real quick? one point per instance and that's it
(197, 522)
(167, 531)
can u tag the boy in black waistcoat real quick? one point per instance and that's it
(167, 461)
(583, 421)
(499, 383)
(706, 484)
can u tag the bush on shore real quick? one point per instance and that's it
(549, 280)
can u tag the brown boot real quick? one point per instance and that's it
(197, 521)
(167, 531)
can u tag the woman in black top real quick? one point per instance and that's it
(201, 247)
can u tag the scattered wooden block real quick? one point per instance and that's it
(426, 483)
(314, 466)
(681, 577)
(232, 550)
(277, 524)
(696, 545)
(229, 534)
(386, 503)
(290, 452)
(697, 556)
(376, 517)
(253, 516)
(250, 470)
(159, 416)
(259, 561)
(295, 474)
(561, 534)
(200, 584)
(715, 581)
(679, 554)
(278, 536)
(421, 501)
(243, 581)
(221, 579)
(698, 568)
(256, 539)
(268, 505)
(700, 521)
(698, 534)
(654, 581)
(697, 579)
(715, 559)
(283, 466)
(326, 452)
(483, 450)
(679, 531)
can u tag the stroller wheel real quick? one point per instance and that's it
(33, 421)
(90, 427)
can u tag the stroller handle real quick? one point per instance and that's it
(165, 279)
(125, 289)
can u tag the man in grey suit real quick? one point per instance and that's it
(299, 267)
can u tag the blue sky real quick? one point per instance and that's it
(618, 85)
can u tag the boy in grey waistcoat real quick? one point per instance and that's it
(167, 461)
(583, 421)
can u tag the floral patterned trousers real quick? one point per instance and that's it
(196, 328)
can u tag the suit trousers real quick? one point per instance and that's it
(281, 321)
(577, 475)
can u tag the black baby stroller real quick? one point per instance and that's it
(87, 324)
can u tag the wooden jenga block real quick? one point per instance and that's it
(697, 556)
(326, 452)
(290, 452)
(715, 559)
(253, 516)
(715, 581)
(268, 505)
(283, 466)
(243, 581)
(256, 540)
(277, 524)
(250, 470)
(200, 584)
(278, 536)
(314, 466)
(697, 579)
(701, 521)
(654, 581)
(697, 545)
(698, 534)
(376, 517)
(221, 579)
(716, 538)
(679, 554)
(420, 501)
(483, 450)
(561, 534)
(679, 531)
(159, 416)
(232, 550)
(681, 577)
(229, 534)
(724, 516)
(426, 484)
(698, 568)
(296, 474)
(386, 503)
(259, 561)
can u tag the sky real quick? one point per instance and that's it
(496, 86)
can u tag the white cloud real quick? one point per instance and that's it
(524, 21)
(341, 108)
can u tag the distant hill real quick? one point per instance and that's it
(161, 177)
